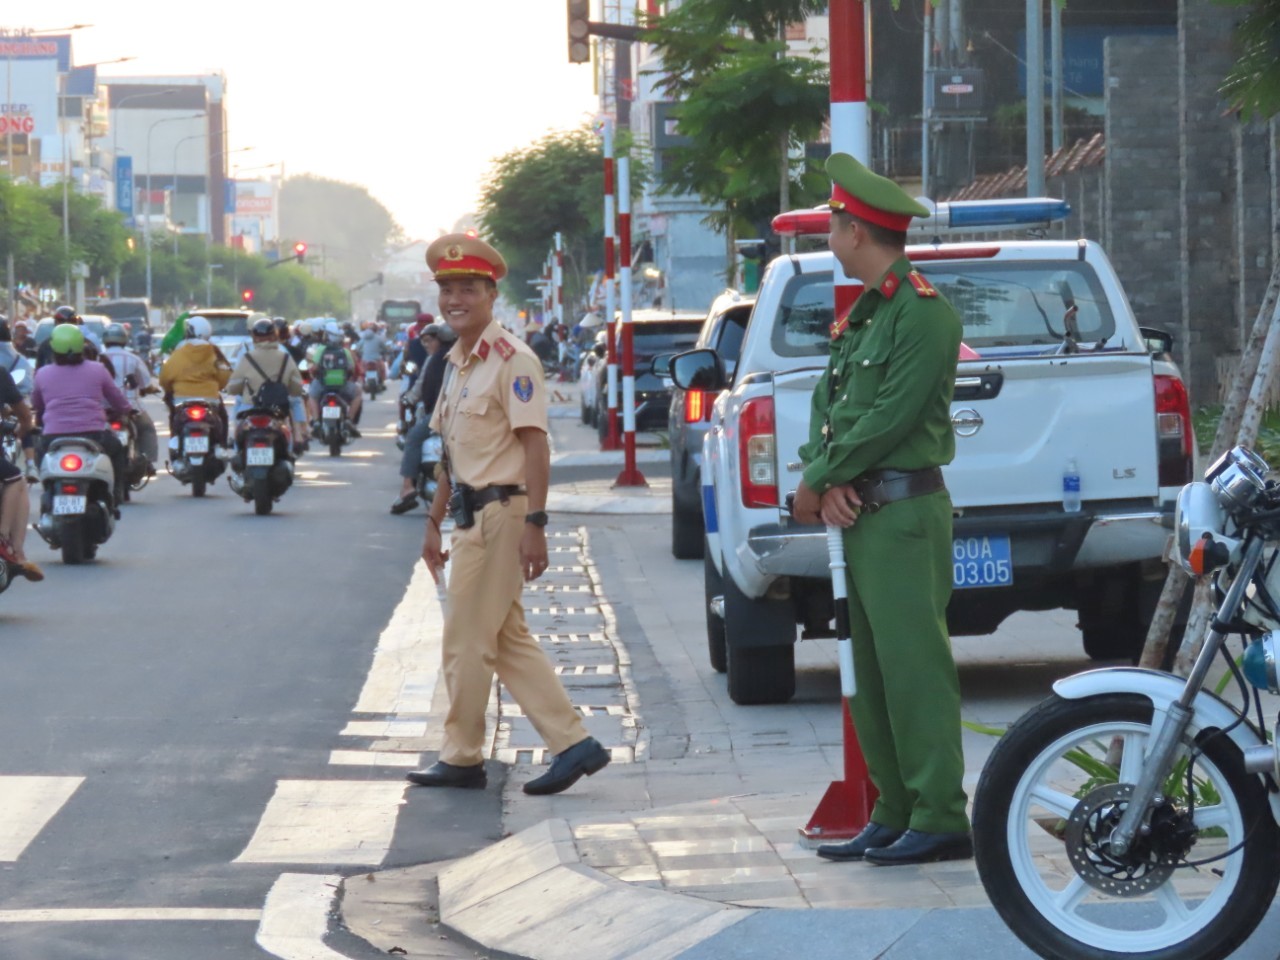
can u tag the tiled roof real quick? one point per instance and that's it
(1013, 182)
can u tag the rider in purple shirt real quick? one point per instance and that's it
(70, 397)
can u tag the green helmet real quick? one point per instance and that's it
(67, 338)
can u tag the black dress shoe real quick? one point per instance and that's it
(405, 503)
(915, 846)
(585, 757)
(441, 774)
(872, 835)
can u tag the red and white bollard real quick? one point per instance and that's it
(611, 440)
(630, 475)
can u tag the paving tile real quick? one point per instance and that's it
(676, 879)
(740, 894)
(667, 834)
(614, 853)
(648, 876)
(721, 861)
(749, 843)
(605, 830)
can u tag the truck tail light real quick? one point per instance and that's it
(697, 406)
(1174, 434)
(757, 453)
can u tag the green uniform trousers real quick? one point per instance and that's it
(907, 706)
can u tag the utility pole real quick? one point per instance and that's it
(1035, 98)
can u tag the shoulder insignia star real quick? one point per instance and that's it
(504, 348)
(923, 287)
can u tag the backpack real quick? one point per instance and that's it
(336, 366)
(272, 394)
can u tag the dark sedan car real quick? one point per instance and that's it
(654, 332)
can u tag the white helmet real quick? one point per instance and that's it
(198, 328)
(334, 333)
(304, 328)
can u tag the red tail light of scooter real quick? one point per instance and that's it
(197, 413)
(71, 463)
(259, 421)
(117, 425)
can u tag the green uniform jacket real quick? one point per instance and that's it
(885, 398)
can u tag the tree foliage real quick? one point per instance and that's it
(554, 184)
(31, 229)
(1253, 85)
(740, 98)
(341, 223)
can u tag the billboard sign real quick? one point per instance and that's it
(124, 188)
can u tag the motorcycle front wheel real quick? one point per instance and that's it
(1048, 799)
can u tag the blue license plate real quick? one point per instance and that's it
(981, 562)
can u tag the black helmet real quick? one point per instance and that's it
(262, 329)
(281, 326)
(65, 314)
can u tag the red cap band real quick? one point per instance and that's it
(842, 199)
(466, 266)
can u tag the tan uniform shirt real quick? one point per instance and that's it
(488, 395)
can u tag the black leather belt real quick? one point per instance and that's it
(877, 488)
(476, 499)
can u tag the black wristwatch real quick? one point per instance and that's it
(538, 518)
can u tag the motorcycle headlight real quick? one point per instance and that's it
(1199, 521)
(1238, 479)
(432, 448)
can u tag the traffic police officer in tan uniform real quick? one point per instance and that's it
(492, 414)
(880, 431)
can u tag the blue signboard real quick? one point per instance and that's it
(124, 188)
(1082, 56)
(25, 45)
(229, 197)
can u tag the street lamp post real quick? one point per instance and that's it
(115, 148)
(146, 220)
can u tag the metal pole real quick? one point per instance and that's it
(630, 476)
(66, 183)
(1035, 99)
(1056, 65)
(925, 112)
(611, 441)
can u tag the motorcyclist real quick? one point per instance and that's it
(197, 369)
(415, 350)
(298, 344)
(134, 380)
(437, 338)
(267, 359)
(71, 399)
(23, 339)
(92, 347)
(334, 369)
(373, 346)
(15, 362)
(15, 507)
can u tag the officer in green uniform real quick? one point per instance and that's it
(880, 431)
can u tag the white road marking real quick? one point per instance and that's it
(295, 917)
(406, 662)
(327, 821)
(27, 804)
(389, 729)
(112, 915)
(373, 758)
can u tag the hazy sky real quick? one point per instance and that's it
(410, 99)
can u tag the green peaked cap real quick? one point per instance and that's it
(869, 196)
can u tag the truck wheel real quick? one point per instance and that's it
(1116, 611)
(760, 636)
(687, 533)
(712, 587)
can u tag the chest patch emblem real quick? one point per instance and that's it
(523, 388)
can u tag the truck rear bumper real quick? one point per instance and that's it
(1045, 542)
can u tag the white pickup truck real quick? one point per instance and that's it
(1063, 373)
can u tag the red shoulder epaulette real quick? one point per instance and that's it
(483, 349)
(889, 286)
(504, 348)
(923, 287)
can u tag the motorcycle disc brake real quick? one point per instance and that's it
(1151, 859)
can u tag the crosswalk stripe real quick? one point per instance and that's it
(116, 914)
(373, 758)
(385, 729)
(327, 821)
(27, 804)
(295, 917)
(407, 660)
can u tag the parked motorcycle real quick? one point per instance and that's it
(335, 423)
(193, 447)
(138, 473)
(1134, 813)
(77, 506)
(262, 468)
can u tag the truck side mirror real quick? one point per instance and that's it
(699, 370)
(1159, 342)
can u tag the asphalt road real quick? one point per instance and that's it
(164, 705)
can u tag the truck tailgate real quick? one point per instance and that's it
(1096, 409)
(1045, 411)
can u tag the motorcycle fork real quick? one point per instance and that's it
(1160, 758)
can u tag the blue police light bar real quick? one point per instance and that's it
(993, 214)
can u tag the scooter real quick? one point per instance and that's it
(335, 423)
(262, 468)
(373, 382)
(193, 448)
(77, 505)
(137, 473)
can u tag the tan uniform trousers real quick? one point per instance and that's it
(485, 632)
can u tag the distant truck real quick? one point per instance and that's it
(138, 313)
(397, 313)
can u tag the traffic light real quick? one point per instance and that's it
(246, 296)
(300, 251)
(579, 31)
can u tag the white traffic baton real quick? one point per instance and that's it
(840, 590)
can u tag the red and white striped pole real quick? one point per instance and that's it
(558, 279)
(630, 475)
(846, 806)
(610, 306)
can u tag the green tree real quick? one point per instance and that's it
(1253, 85)
(342, 224)
(555, 184)
(31, 233)
(744, 102)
